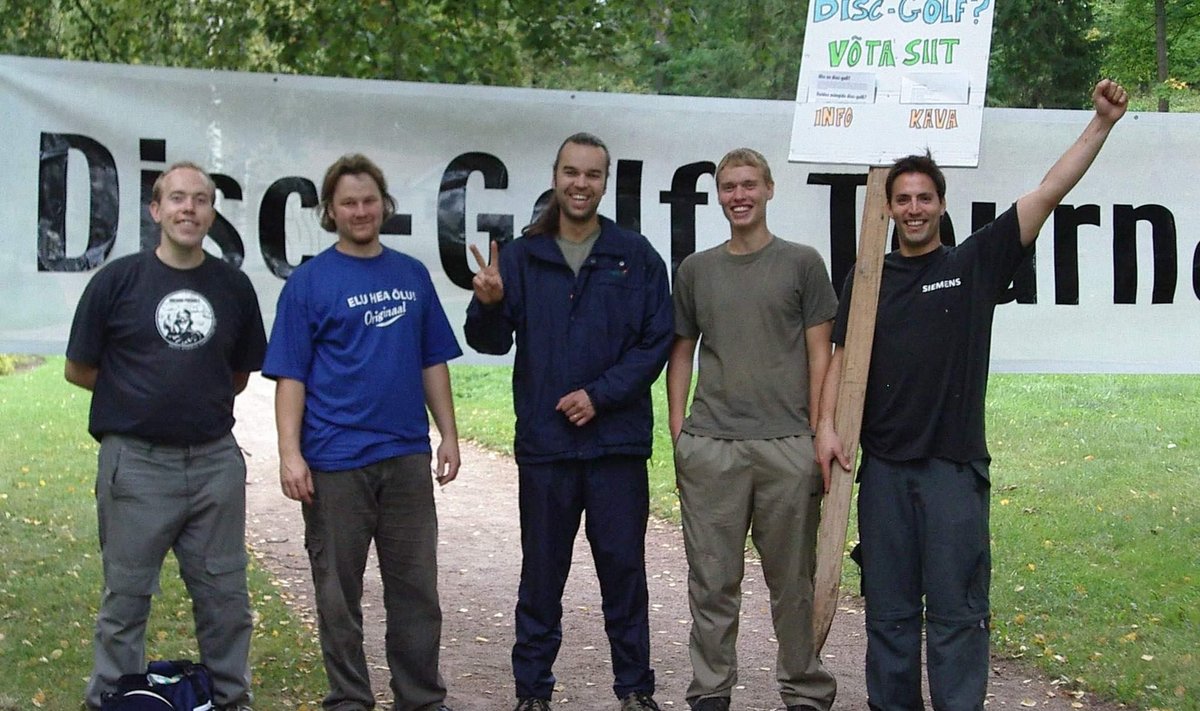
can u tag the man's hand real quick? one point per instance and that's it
(827, 446)
(577, 407)
(1110, 100)
(295, 479)
(488, 286)
(447, 463)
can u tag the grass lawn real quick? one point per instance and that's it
(50, 567)
(1095, 522)
(1096, 531)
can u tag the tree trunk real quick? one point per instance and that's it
(1160, 42)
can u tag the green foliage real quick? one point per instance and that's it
(50, 566)
(1044, 54)
(209, 34)
(712, 48)
(704, 48)
(503, 42)
(466, 41)
(1127, 28)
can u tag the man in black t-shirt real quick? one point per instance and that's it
(165, 339)
(923, 499)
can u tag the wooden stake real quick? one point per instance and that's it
(856, 361)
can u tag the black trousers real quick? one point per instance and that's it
(553, 496)
(926, 555)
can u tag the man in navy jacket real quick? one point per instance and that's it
(588, 304)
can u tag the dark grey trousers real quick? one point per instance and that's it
(151, 499)
(925, 553)
(390, 503)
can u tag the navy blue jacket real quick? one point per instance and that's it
(607, 330)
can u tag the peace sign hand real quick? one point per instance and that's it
(488, 286)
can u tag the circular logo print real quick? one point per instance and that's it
(185, 319)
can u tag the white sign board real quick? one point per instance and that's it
(1114, 285)
(881, 79)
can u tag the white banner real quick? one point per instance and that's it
(887, 78)
(1113, 287)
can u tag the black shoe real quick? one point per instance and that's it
(530, 703)
(802, 707)
(639, 701)
(712, 703)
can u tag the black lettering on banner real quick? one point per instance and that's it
(1067, 219)
(1125, 267)
(233, 250)
(945, 232)
(1196, 272)
(452, 213)
(683, 199)
(629, 194)
(397, 224)
(539, 206)
(843, 223)
(52, 203)
(1023, 289)
(150, 150)
(272, 235)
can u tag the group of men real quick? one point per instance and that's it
(359, 349)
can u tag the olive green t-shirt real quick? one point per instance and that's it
(576, 253)
(750, 313)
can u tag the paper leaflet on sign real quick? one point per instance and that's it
(887, 78)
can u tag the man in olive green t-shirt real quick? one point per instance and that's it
(760, 308)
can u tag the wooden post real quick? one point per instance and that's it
(856, 361)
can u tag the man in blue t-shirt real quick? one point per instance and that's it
(358, 350)
(923, 499)
(165, 339)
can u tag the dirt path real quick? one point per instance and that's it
(479, 557)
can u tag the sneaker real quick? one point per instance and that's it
(639, 701)
(530, 703)
(712, 703)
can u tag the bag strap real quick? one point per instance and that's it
(199, 677)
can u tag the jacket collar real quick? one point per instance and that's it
(609, 242)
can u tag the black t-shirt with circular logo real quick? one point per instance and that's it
(167, 343)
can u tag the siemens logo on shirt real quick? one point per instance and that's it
(943, 284)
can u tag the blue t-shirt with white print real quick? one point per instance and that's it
(358, 332)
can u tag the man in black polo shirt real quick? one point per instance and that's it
(165, 339)
(923, 499)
